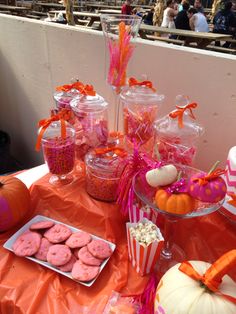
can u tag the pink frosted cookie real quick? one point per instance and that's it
(27, 244)
(59, 255)
(58, 233)
(87, 258)
(44, 224)
(84, 272)
(43, 250)
(99, 249)
(69, 265)
(78, 239)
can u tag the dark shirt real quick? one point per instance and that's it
(126, 9)
(182, 21)
(224, 22)
(148, 18)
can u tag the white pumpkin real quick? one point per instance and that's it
(162, 176)
(179, 294)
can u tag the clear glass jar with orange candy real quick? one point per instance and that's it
(104, 166)
(140, 103)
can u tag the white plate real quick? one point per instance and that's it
(8, 245)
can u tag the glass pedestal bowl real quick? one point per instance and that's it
(171, 254)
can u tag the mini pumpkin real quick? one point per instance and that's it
(180, 203)
(198, 287)
(208, 187)
(14, 202)
(162, 176)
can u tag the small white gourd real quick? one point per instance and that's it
(162, 176)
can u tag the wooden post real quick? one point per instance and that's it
(69, 12)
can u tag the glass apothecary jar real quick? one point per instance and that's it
(91, 114)
(59, 152)
(104, 167)
(63, 98)
(178, 132)
(140, 105)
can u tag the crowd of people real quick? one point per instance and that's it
(189, 15)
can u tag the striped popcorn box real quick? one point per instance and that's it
(229, 206)
(145, 243)
(137, 213)
(230, 174)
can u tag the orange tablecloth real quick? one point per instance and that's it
(29, 288)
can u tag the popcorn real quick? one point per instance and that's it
(144, 245)
(145, 233)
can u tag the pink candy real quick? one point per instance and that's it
(176, 152)
(59, 154)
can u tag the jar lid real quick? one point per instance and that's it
(142, 95)
(60, 95)
(107, 164)
(54, 130)
(168, 128)
(86, 103)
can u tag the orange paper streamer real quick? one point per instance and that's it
(63, 116)
(179, 112)
(134, 82)
(213, 276)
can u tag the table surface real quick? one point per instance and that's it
(30, 288)
(186, 33)
(11, 7)
(77, 13)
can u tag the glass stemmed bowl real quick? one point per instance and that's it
(171, 253)
(119, 32)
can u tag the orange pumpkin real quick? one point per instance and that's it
(14, 202)
(176, 203)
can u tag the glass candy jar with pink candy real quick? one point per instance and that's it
(57, 138)
(177, 133)
(65, 93)
(140, 103)
(91, 112)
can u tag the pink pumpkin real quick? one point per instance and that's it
(210, 188)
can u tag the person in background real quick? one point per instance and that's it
(169, 13)
(197, 21)
(225, 22)
(126, 8)
(216, 6)
(158, 12)
(148, 19)
(198, 6)
(182, 20)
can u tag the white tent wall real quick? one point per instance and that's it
(36, 56)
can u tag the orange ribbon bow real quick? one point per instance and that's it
(87, 90)
(179, 113)
(210, 176)
(83, 89)
(68, 87)
(233, 199)
(213, 276)
(63, 116)
(121, 152)
(134, 82)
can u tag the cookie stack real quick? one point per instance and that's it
(79, 253)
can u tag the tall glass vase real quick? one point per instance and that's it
(119, 32)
